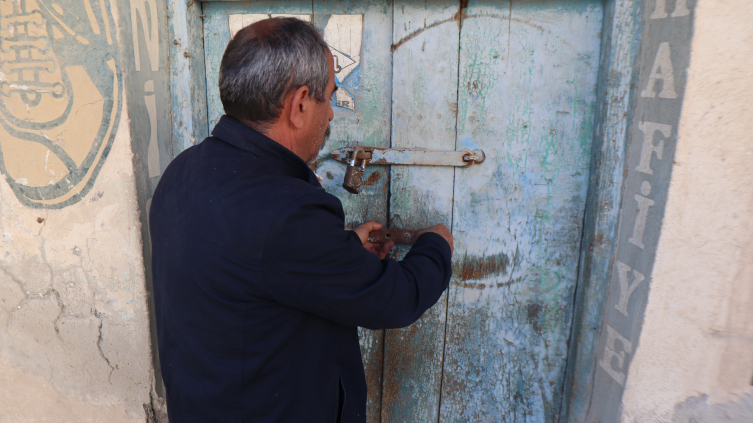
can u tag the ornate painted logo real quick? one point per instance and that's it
(60, 97)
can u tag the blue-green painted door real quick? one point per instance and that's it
(516, 79)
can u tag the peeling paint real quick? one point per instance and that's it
(372, 179)
(533, 316)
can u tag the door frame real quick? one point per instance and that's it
(625, 39)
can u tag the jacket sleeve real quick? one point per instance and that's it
(312, 263)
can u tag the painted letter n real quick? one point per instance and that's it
(149, 23)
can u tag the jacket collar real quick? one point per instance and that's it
(242, 136)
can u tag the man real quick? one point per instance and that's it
(258, 287)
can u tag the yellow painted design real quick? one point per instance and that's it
(92, 18)
(78, 188)
(57, 112)
(84, 120)
(61, 23)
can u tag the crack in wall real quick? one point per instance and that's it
(60, 314)
(99, 346)
(23, 300)
(63, 312)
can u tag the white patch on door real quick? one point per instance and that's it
(344, 99)
(344, 36)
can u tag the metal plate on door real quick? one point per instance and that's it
(409, 156)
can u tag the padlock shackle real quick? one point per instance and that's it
(355, 156)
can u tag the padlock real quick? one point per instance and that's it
(354, 175)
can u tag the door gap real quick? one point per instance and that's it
(462, 9)
(206, 90)
(388, 208)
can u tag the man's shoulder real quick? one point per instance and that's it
(235, 190)
(300, 196)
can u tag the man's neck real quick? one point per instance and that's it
(276, 133)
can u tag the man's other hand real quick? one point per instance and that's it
(381, 250)
(442, 231)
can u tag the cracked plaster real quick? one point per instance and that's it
(74, 340)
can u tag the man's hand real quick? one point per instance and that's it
(442, 231)
(381, 250)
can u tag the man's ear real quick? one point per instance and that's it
(300, 106)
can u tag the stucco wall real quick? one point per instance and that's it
(694, 360)
(74, 327)
(74, 342)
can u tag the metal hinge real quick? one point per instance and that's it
(405, 156)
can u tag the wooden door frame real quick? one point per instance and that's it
(615, 96)
(623, 67)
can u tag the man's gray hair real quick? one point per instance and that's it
(267, 59)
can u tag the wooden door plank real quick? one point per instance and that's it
(217, 35)
(527, 87)
(369, 124)
(424, 105)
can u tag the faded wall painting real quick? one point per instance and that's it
(60, 97)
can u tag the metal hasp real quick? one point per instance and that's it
(406, 156)
(399, 236)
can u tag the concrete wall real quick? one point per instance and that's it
(694, 359)
(74, 325)
(74, 340)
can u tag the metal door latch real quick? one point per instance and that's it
(399, 236)
(406, 156)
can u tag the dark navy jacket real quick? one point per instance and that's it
(259, 288)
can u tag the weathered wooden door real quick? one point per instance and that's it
(516, 78)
